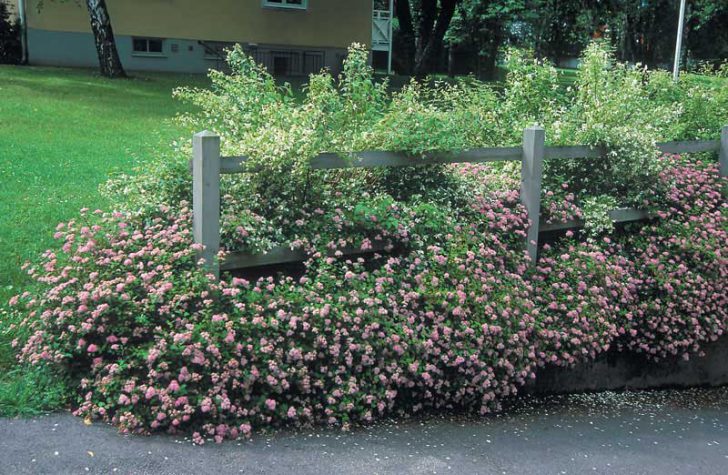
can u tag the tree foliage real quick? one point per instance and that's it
(10, 47)
(640, 31)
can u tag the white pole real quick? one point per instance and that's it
(678, 46)
(391, 19)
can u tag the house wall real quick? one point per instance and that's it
(59, 32)
(326, 23)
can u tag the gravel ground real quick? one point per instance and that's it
(661, 432)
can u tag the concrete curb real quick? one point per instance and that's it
(628, 370)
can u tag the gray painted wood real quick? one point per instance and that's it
(583, 151)
(229, 165)
(373, 159)
(562, 226)
(397, 159)
(619, 215)
(329, 161)
(689, 146)
(206, 196)
(283, 255)
(724, 151)
(531, 175)
(573, 151)
(278, 255)
(623, 215)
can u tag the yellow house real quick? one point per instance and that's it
(291, 37)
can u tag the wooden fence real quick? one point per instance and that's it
(208, 165)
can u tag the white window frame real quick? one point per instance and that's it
(283, 4)
(147, 53)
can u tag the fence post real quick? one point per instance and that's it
(206, 197)
(724, 151)
(531, 174)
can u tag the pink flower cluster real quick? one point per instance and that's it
(561, 207)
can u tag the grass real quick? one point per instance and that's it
(31, 391)
(62, 132)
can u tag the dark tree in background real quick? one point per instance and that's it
(416, 49)
(10, 46)
(109, 62)
(478, 28)
(475, 32)
(404, 37)
(640, 31)
(481, 28)
(434, 22)
(708, 38)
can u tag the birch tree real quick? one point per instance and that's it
(109, 62)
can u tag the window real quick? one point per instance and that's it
(313, 62)
(284, 63)
(299, 4)
(149, 46)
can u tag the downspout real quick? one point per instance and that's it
(23, 31)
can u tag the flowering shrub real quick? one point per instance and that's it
(680, 265)
(579, 291)
(658, 284)
(452, 319)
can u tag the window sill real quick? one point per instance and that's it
(282, 8)
(139, 54)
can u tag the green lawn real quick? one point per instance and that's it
(62, 132)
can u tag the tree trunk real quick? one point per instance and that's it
(686, 34)
(404, 41)
(451, 61)
(490, 52)
(426, 51)
(109, 62)
(428, 14)
(546, 18)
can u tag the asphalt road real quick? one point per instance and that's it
(666, 432)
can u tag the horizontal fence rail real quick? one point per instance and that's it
(207, 165)
(620, 215)
(283, 255)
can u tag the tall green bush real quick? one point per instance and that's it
(626, 110)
